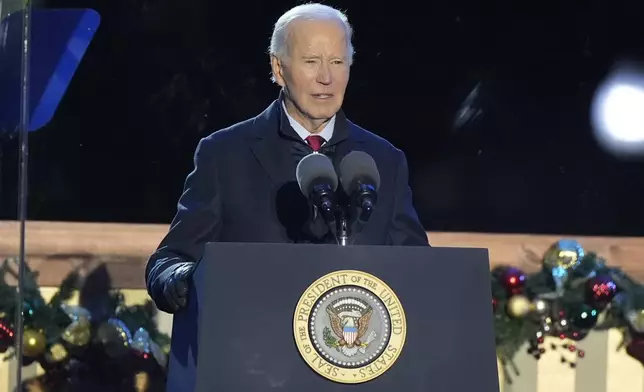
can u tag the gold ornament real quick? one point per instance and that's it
(563, 254)
(57, 353)
(518, 306)
(78, 333)
(562, 257)
(141, 382)
(33, 343)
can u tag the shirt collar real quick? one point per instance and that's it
(326, 133)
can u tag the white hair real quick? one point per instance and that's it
(310, 11)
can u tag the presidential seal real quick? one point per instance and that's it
(349, 327)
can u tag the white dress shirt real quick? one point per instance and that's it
(326, 133)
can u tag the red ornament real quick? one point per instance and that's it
(513, 280)
(6, 336)
(576, 335)
(5, 330)
(600, 290)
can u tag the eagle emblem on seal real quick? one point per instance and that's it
(349, 321)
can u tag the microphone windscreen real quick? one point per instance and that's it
(315, 168)
(358, 166)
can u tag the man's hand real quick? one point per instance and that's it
(175, 287)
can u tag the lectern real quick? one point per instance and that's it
(325, 318)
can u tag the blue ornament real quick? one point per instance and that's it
(561, 258)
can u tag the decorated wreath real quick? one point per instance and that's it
(572, 294)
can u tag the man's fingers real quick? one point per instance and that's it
(176, 288)
(181, 287)
(168, 290)
(182, 302)
(178, 291)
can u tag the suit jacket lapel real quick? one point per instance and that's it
(270, 147)
(346, 138)
(275, 156)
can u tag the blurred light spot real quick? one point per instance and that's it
(618, 112)
(470, 109)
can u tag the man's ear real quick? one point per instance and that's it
(278, 70)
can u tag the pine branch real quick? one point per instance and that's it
(66, 290)
(512, 334)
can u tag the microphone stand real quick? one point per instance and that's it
(363, 202)
(343, 230)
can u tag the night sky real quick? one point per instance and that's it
(160, 75)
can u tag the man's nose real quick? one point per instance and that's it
(324, 75)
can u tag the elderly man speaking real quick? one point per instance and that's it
(243, 186)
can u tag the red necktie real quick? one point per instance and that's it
(315, 141)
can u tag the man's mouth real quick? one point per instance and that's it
(322, 96)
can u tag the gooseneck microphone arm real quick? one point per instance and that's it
(322, 196)
(342, 235)
(366, 198)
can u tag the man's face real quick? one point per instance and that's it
(316, 71)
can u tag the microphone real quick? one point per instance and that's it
(360, 180)
(318, 182)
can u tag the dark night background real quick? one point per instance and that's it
(160, 75)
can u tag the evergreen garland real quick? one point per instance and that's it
(100, 345)
(572, 294)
